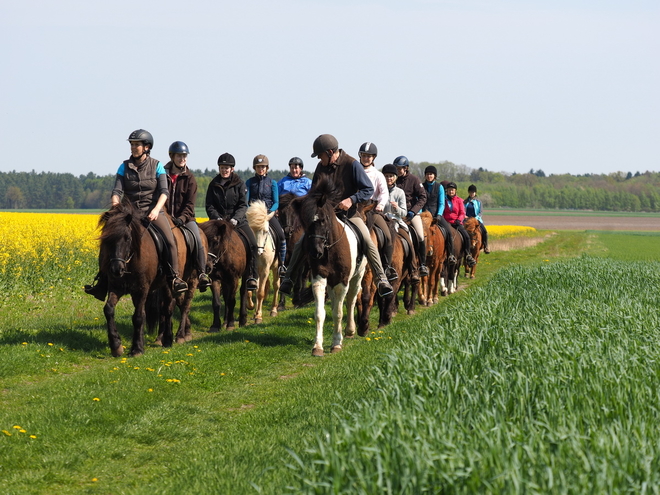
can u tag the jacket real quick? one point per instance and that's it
(140, 183)
(435, 198)
(183, 194)
(349, 178)
(228, 201)
(414, 191)
(265, 189)
(299, 186)
(473, 208)
(454, 210)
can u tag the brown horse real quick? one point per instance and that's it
(404, 262)
(476, 245)
(129, 258)
(335, 262)
(435, 259)
(229, 255)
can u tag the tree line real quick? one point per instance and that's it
(604, 192)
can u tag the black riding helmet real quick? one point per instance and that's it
(472, 188)
(144, 136)
(389, 169)
(296, 161)
(226, 159)
(179, 147)
(368, 149)
(451, 185)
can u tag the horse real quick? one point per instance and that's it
(229, 259)
(334, 260)
(450, 270)
(435, 258)
(128, 257)
(293, 230)
(267, 261)
(476, 245)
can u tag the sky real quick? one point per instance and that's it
(564, 86)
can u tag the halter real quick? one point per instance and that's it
(325, 238)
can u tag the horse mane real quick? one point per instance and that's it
(257, 215)
(114, 222)
(471, 223)
(320, 197)
(427, 219)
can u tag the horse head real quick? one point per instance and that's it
(258, 218)
(472, 227)
(119, 237)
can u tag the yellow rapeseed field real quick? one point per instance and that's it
(504, 231)
(46, 245)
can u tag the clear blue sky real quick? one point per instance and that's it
(558, 85)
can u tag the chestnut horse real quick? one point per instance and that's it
(267, 262)
(129, 258)
(335, 263)
(476, 245)
(450, 271)
(435, 259)
(229, 259)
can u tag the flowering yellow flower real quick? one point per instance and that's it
(33, 436)
(96, 399)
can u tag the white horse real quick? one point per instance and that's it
(267, 261)
(333, 253)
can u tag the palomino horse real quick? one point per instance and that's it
(435, 258)
(267, 262)
(474, 229)
(332, 249)
(229, 255)
(129, 258)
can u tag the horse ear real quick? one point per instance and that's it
(321, 201)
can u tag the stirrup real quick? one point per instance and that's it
(391, 274)
(423, 270)
(286, 287)
(384, 288)
(451, 259)
(178, 285)
(470, 260)
(204, 282)
(281, 271)
(251, 284)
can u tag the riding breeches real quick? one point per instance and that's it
(466, 239)
(418, 226)
(484, 234)
(277, 228)
(388, 248)
(201, 252)
(163, 225)
(372, 253)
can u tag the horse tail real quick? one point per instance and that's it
(152, 310)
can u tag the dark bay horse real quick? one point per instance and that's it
(293, 230)
(450, 270)
(129, 258)
(474, 230)
(333, 255)
(229, 256)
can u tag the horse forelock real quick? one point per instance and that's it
(257, 215)
(117, 220)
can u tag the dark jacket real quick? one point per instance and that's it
(183, 194)
(414, 191)
(349, 178)
(226, 202)
(435, 198)
(141, 184)
(265, 189)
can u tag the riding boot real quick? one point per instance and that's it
(178, 285)
(386, 259)
(204, 281)
(100, 288)
(449, 247)
(484, 238)
(423, 270)
(281, 271)
(292, 272)
(251, 281)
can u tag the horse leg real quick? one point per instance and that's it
(139, 317)
(261, 294)
(339, 296)
(113, 336)
(242, 309)
(318, 288)
(351, 298)
(183, 334)
(229, 298)
(215, 292)
(276, 290)
(366, 302)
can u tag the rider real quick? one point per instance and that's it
(182, 187)
(142, 181)
(415, 201)
(225, 200)
(473, 209)
(353, 187)
(455, 214)
(295, 182)
(260, 187)
(395, 209)
(435, 204)
(368, 153)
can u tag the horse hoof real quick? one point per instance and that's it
(230, 328)
(472, 276)
(347, 336)
(180, 340)
(317, 352)
(214, 329)
(188, 338)
(258, 321)
(410, 312)
(118, 351)
(335, 349)
(273, 313)
(136, 354)
(158, 342)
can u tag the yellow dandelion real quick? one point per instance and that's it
(33, 436)
(94, 480)
(247, 341)
(22, 431)
(16, 427)
(190, 354)
(150, 390)
(96, 399)
(50, 343)
(24, 343)
(195, 346)
(6, 433)
(222, 374)
(367, 338)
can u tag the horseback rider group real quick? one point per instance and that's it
(155, 189)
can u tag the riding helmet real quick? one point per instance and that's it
(260, 160)
(431, 170)
(323, 143)
(226, 159)
(401, 161)
(389, 169)
(142, 135)
(451, 185)
(296, 161)
(472, 188)
(368, 149)
(179, 147)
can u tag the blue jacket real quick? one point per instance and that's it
(299, 186)
(265, 189)
(473, 208)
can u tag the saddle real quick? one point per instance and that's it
(407, 248)
(162, 247)
(362, 247)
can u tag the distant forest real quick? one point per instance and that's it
(612, 192)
